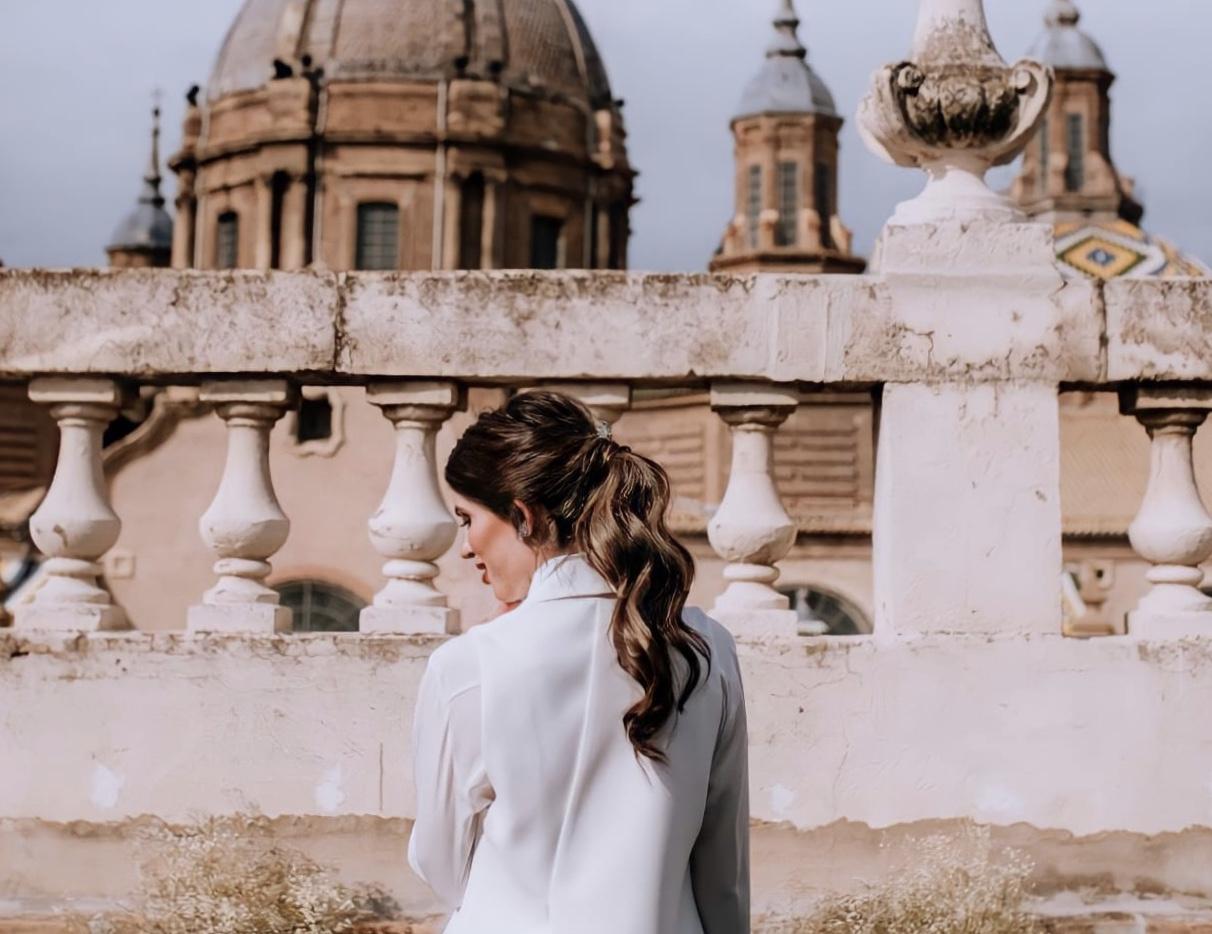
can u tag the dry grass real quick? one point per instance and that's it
(225, 877)
(956, 884)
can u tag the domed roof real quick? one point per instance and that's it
(533, 45)
(786, 83)
(1063, 45)
(1110, 249)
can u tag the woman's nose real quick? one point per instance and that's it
(465, 549)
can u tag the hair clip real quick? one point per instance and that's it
(603, 428)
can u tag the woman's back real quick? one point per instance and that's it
(523, 760)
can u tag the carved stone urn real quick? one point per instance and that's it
(955, 109)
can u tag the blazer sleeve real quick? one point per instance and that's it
(448, 769)
(719, 861)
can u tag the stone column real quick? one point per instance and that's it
(293, 247)
(1173, 530)
(264, 222)
(452, 226)
(751, 530)
(75, 524)
(412, 527)
(244, 525)
(492, 243)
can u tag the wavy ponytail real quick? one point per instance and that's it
(593, 495)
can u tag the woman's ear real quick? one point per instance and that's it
(526, 519)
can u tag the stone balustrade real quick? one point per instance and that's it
(967, 482)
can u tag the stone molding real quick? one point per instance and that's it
(683, 330)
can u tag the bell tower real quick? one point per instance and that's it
(786, 150)
(1067, 172)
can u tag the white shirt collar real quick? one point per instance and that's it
(567, 576)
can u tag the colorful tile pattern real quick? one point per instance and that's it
(1109, 249)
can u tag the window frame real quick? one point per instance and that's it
(387, 254)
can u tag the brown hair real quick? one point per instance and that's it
(593, 495)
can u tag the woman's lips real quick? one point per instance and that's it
(483, 572)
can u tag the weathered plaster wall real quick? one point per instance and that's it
(1093, 755)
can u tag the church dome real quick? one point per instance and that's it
(537, 46)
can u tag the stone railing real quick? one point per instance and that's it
(967, 520)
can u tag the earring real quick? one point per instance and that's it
(524, 530)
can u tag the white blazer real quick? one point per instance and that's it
(534, 815)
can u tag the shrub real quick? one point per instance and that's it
(224, 877)
(954, 884)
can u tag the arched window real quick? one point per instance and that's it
(1075, 169)
(824, 613)
(317, 606)
(789, 202)
(378, 236)
(227, 241)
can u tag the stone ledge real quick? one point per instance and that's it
(676, 330)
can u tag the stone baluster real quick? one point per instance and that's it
(413, 526)
(244, 525)
(1173, 530)
(751, 530)
(75, 524)
(607, 401)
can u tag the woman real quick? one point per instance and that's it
(581, 760)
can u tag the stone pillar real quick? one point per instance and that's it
(1173, 530)
(184, 225)
(293, 247)
(75, 524)
(263, 224)
(412, 527)
(492, 243)
(452, 225)
(244, 525)
(967, 526)
(751, 530)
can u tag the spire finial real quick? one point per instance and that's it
(1062, 13)
(151, 180)
(786, 39)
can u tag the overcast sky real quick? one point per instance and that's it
(76, 78)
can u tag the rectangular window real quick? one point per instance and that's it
(822, 181)
(789, 203)
(546, 242)
(378, 243)
(471, 223)
(227, 241)
(753, 204)
(1075, 171)
(1041, 181)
